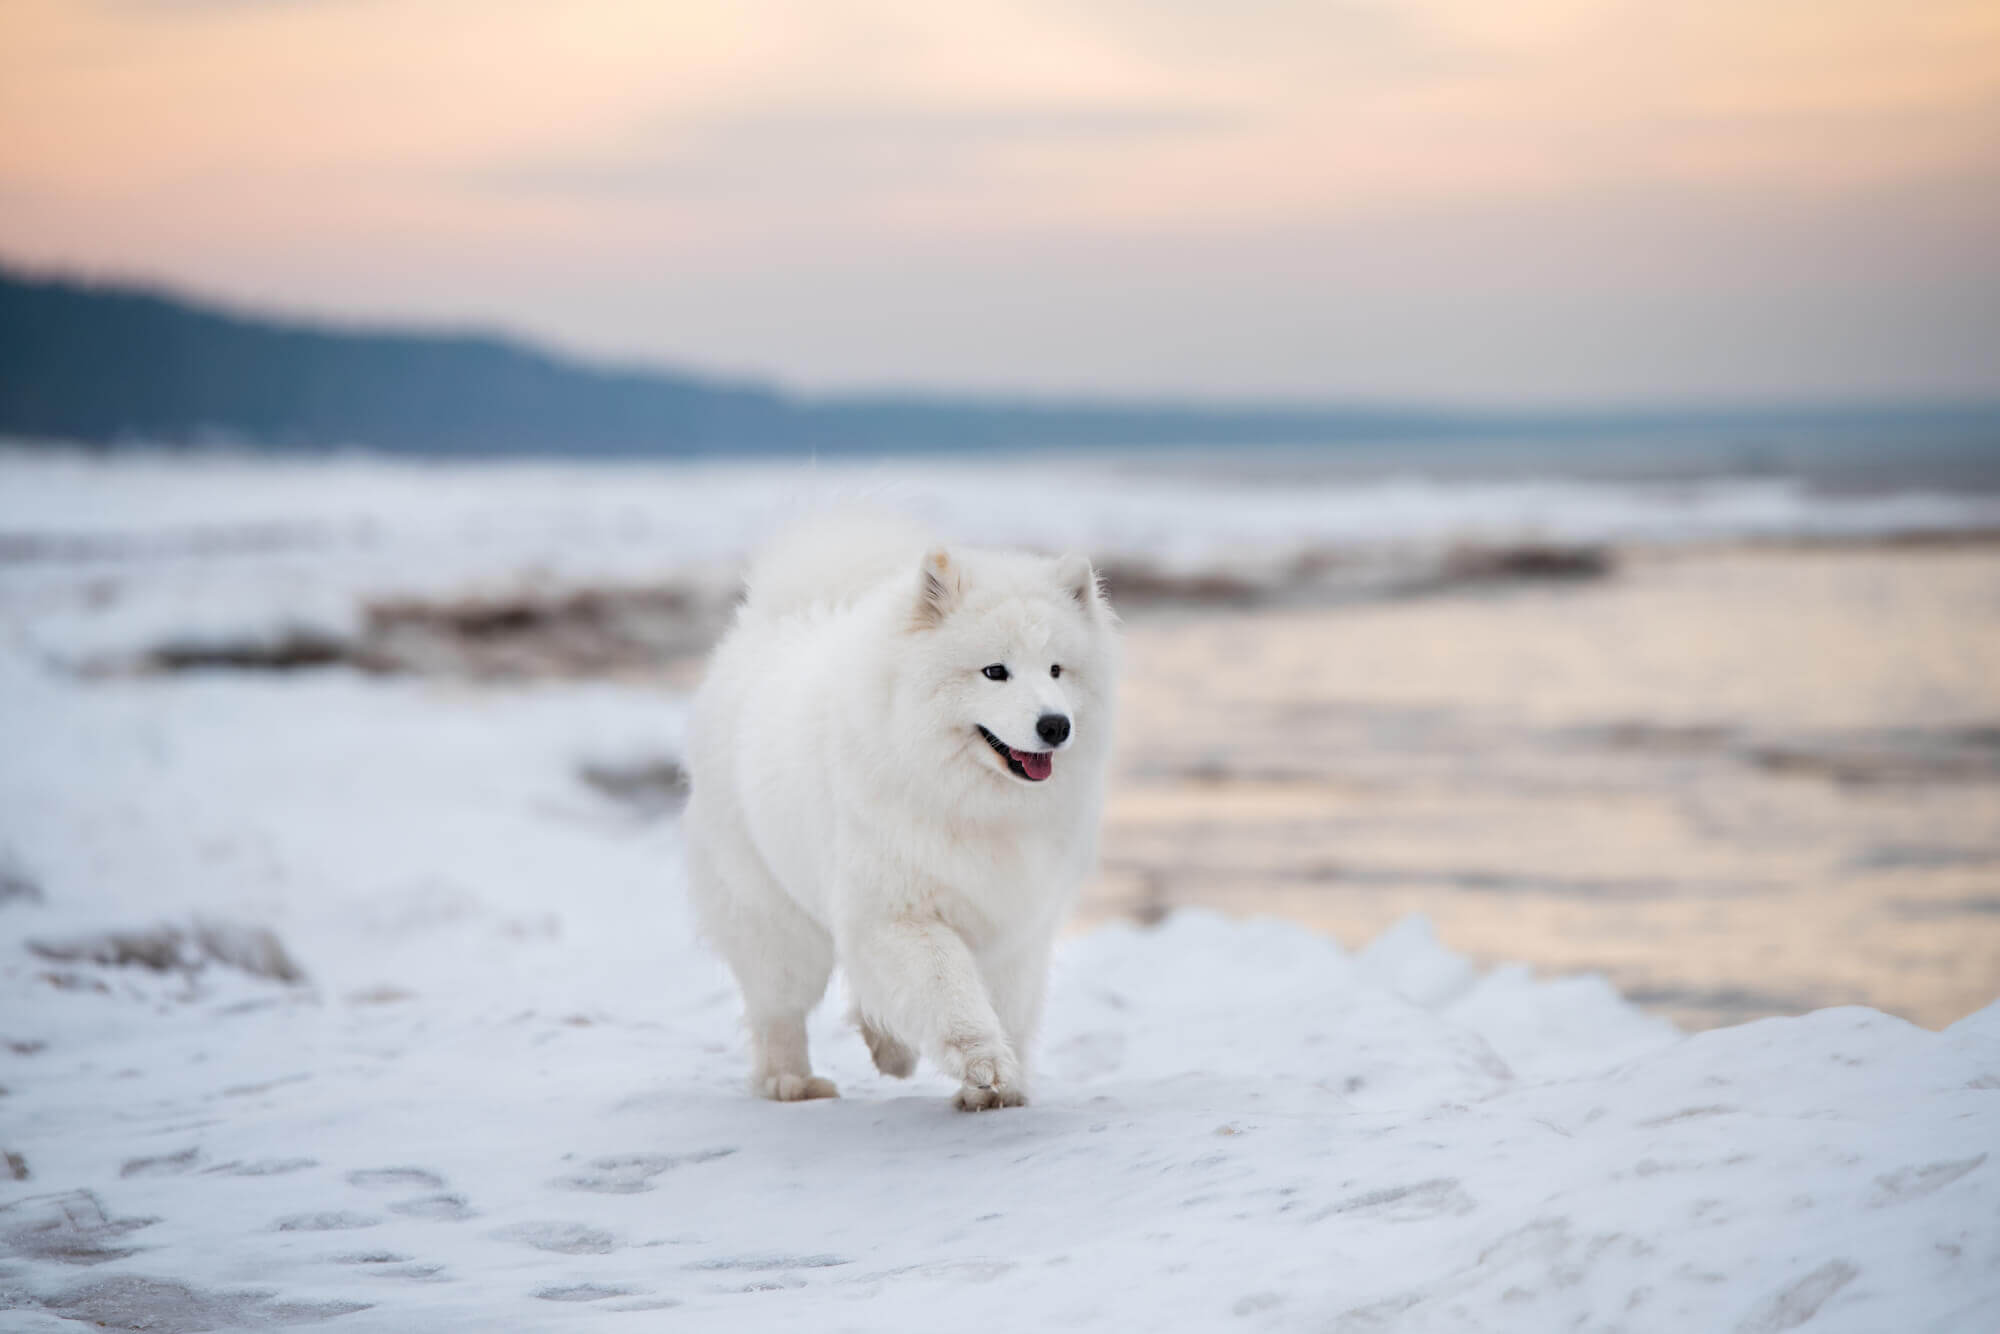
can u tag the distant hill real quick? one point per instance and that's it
(113, 364)
(104, 364)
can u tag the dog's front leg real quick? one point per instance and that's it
(915, 977)
(1016, 980)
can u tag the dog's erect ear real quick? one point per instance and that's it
(938, 588)
(1073, 572)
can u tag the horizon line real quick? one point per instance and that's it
(1443, 408)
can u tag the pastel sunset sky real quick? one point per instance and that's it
(1540, 201)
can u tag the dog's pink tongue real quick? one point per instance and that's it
(1037, 765)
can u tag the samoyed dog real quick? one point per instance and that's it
(897, 760)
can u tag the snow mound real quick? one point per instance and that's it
(1236, 1122)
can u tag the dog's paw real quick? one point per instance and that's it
(972, 1098)
(794, 1088)
(980, 1061)
(892, 1057)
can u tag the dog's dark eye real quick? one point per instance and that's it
(1055, 669)
(997, 672)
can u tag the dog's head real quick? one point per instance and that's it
(1017, 656)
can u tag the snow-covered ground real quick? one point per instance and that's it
(506, 1093)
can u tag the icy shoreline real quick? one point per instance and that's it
(234, 547)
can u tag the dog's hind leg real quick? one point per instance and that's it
(893, 1057)
(780, 1068)
(780, 956)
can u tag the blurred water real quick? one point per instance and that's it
(1738, 781)
(1837, 455)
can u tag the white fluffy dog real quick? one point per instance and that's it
(898, 764)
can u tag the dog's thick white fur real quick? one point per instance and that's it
(898, 761)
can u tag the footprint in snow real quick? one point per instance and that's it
(1916, 1182)
(328, 1220)
(1792, 1306)
(261, 1167)
(436, 1208)
(580, 1292)
(562, 1238)
(388, 1264)
(628, 1174)
(165, 1165)
(1405, 1204)
(133, 1301)
(380, 1177)
(772, 1263)
(961, 1271)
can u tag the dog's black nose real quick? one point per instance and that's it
(1052, 728)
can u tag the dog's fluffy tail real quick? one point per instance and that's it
(833, 558)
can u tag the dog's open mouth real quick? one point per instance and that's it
(1032, 765)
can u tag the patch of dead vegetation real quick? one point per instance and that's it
(1323, 575)
(606, 631)
(643, 630)
(1531, 562)
(526, 634)
(167, 947)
